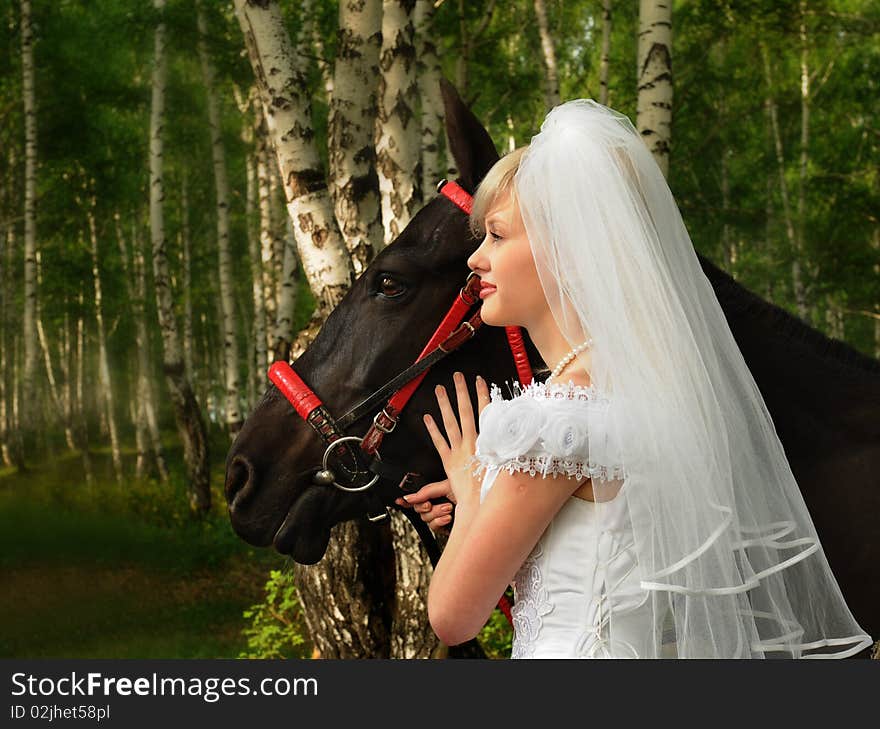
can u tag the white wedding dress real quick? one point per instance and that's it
(583, 568)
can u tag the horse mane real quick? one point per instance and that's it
(740, 300)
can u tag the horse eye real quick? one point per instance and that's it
(389, 287)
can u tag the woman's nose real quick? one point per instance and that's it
(477, 261)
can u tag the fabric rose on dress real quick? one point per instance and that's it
(566, 435)
(519, 427)
(491, 424)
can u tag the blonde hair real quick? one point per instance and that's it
(497, 182)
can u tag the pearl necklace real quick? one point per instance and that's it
(568, 358)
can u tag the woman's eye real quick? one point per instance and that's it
(389, 287)
(495, 236)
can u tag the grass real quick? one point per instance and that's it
(120, 571)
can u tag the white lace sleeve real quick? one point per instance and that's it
(547, 433)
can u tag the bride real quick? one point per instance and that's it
(638, 500)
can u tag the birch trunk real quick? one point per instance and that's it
(29, 323)
(548, 49)
(149, 443)
(654, 78)
(791, 236)
(186, 255)
(66, 394)
(354, 183)
(260, 357)
(287, 108)
(805, 146)
(267, 253)
(289, 285)
(6, 243)
(429, 74)
(106, 384)
(234, 415)
(606, 52)
(276, 226)
(45, 347)
(81, 423)
(398, 157)
(186, 410)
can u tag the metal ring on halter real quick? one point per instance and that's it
(382, 427)
(327, 455)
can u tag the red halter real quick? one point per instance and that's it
(449, 335)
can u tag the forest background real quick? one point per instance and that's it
(138, 319)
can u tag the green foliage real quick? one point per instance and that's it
(496, 637)
(276, 628)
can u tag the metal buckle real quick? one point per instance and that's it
(327, 456)
(381, 427)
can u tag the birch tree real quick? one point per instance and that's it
(606, 52)
(548, 51)
(398, 132)
(654, 78)
(234, 415)
(285, 97)
(354, 183)
(186, 409)
(105, 381)
(428, 74)
(29, 328)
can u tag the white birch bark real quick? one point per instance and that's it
(7, 242)
(354, 184)
(654, 78)
(104, 379)
(283, 336)
(805, 148)
(234, 415)
(186, 258)
(259, 302)
(276, 229)
(429, 74)
(267, 250)
(29, 324)
(548, 50)
(45, 347)
(145, 390)
(66, 394)
(80, 408)
(605, 59)
(148, 440)
(186, 410)
(398, 157)
(287, 108)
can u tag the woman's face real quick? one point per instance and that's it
(504, 260)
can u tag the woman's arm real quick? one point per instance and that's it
(487, 546)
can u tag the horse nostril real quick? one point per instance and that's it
(239, 474)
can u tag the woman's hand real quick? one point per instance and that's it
(456, 455)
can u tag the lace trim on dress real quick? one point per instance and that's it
(531, 603)
(525, 434)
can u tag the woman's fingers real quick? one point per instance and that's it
(450, 422)
(437, 515)
(433, 490)
(465, 409)
(436, 437)
(482, 395)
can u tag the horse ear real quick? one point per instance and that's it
(470, 143)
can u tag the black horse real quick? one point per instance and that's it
(823, 395)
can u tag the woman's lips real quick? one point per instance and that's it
(486, 290)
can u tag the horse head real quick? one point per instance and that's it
(377, 330)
